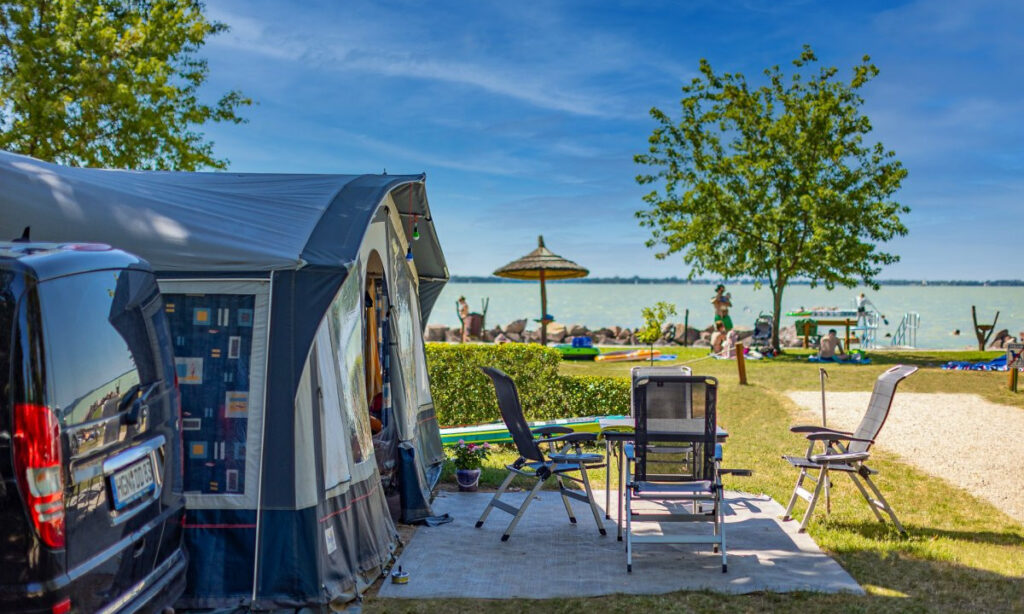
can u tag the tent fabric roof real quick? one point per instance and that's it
(215, 221)
(541, 259)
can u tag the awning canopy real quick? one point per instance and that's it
(212, 221)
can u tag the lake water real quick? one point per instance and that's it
(943, 308)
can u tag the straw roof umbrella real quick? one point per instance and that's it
(542, 265)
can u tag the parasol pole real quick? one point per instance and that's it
(543, 310)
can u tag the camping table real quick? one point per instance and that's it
(618, 431)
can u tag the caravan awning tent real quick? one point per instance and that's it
(283, 292)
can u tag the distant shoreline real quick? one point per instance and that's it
(704, 282)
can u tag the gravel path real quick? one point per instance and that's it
(962, 438)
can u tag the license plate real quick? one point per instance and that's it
(132, 482)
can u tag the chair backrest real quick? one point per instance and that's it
(670, 404)
(661, 396)
(879, 405)
(512, 414)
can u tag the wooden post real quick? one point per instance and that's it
(807, 332)
(847, 346)
(543, 311)
(686, 328)
(983, 331)
(1012, 384)
(741, 364)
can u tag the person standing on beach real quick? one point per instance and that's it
(862, 309)
(722, 302)
(464, 316)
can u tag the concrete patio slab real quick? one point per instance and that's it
(549, 557)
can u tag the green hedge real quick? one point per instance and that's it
(464, 395)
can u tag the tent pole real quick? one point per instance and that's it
(543, 311)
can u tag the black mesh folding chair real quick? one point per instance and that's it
(564, 459)
(674, 464)
(847, 452)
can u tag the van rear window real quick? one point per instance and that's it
(98, 341)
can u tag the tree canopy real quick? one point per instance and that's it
(112, 83)
(774, 183)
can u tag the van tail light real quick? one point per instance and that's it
(37, 462)
(62, 607)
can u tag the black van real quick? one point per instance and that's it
(91, 508)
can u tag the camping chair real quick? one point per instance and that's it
(847, 452)
(675, 458)
(559, 463)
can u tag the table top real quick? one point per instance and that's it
(613, 429)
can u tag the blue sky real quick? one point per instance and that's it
(525, 116)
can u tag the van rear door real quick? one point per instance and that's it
(110, 382)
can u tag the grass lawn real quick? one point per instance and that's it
(962, 553)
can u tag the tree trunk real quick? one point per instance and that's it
(776, 315)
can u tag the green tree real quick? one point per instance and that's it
(776, 183)
(654, 320)
(111, 83)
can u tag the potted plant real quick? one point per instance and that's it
(468, 458)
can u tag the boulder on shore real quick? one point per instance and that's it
(516, 327)
(435, 333)
(556, 332)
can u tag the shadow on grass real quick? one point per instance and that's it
(877, 530)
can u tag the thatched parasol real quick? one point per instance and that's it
(543, 265)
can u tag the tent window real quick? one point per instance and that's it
(345, 326)
(213, 336)
(336, 437)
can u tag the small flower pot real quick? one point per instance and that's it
(468, 479)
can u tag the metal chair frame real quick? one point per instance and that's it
(564, 456)
(847, 453)
(701, 486)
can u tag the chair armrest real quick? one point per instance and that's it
(548, 431)
(810, 428)
(835, 436)
(570, 438)
(842, 458)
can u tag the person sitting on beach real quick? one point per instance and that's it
(718, 338)
(831, 347)
(722, 302)
(732, 338)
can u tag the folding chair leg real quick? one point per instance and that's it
(792, 500)
(522, 509)
(720, 522)
(867, 497)
(629, 531)
(565, 500)
(814, 499)
(494, 499)
(828, 496)
(608, 479)
(590, 500)
(885, 504)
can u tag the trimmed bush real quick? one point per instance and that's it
(594, 395)
(464, 395)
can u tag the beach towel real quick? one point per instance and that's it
(854, 359)
(996, 364)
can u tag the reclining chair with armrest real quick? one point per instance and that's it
(567, 462)
(847, 452)
(674, 464)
